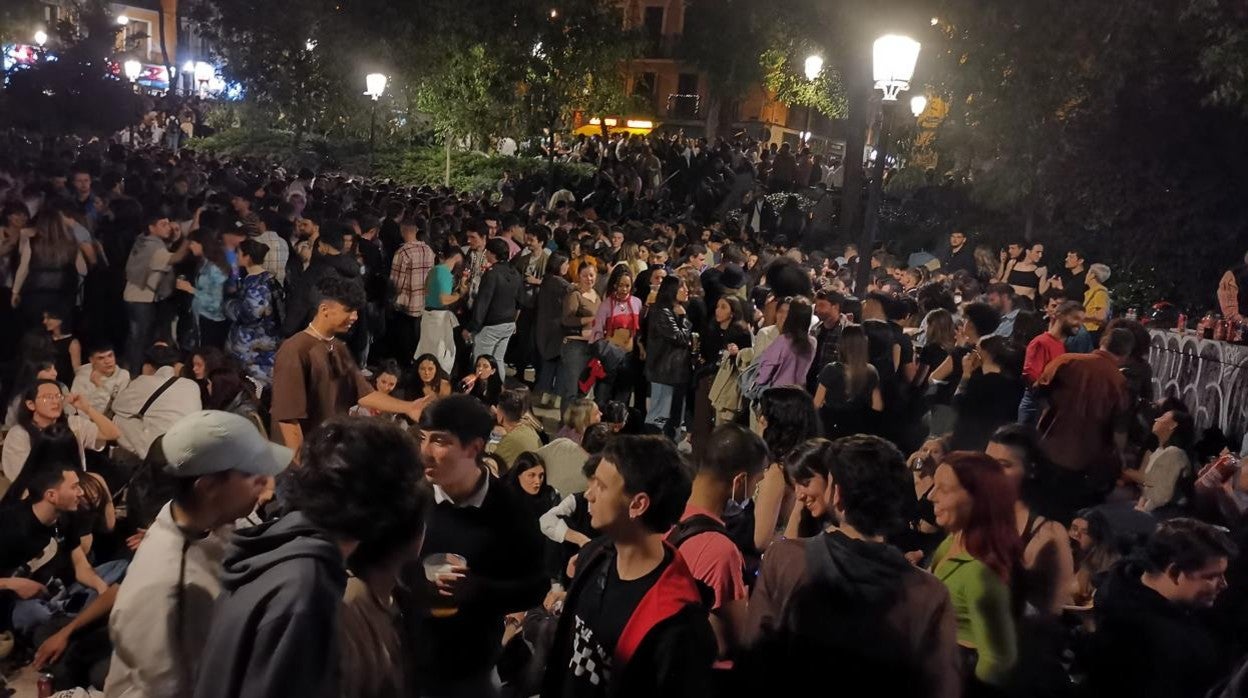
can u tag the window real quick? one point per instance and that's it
(652, 27)
(137, 36)
(644, 84)
(687, 84)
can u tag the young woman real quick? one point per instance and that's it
(1026, 275)
(1163, 466)
(230, 391)
(941, 338)
(253, 336)
(669, 340)
(973, 501)
(484, 383)
(808, 470)
(617, 322)
(431, 379)
(578, 415)
(1047, 571)
(848, 396)
(386, 378)
(67, 349)
(725, 336)
(787, 360)
(986, 398)
(437, 324)
(203, 361)
(208, 289)
(786, 418)
(580, 307)
(549, 331)
(1096, 299)
(50, 264)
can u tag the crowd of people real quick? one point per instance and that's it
(291, 433)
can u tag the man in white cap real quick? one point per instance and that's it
(220, 465)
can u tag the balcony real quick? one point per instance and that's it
(685, 107)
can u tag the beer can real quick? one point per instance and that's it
(44, 686)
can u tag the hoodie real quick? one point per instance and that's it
(1147, 646)
(274, 629)
(303, 299)
(887, 626)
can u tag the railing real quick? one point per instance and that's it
(684, 107)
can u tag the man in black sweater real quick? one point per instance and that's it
(493, 319)
(455, 623)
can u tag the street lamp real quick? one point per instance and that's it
(918, 105)
(123, 20)
(133, 69)
(203, 75)
(41, 38)
(893, 67)
(814, 66)
(376, 84)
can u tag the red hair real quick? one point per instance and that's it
(991, 534)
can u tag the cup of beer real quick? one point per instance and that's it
(442, 565)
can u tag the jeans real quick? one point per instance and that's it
(547, 371)
(660, 404)
(142, 317)
(492, 340)
(30, 614)
(572, 362)
(1029, 407)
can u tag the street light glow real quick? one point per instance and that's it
(204, 71)
(894, 59)
(935, 21)
(188, 67)
(133, 68)
(918, 105)
(376, 84)
(310, 44)
(814, 66)
(554, 14)
(123, 20)
(41, 38)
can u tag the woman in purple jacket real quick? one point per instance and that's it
(786, 360)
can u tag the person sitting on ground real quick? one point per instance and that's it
(578, 415)
(1157, 478)
(519, 436)
(43, 406)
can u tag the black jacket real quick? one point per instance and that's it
(498, 297)
(549, 329)
(668, 342)
(1148, 647)
(275, 625)
(962, 260)
(303, 300)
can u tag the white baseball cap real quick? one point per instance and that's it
(211, 441)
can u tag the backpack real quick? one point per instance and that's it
(750, 390)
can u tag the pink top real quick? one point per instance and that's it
(781, 365)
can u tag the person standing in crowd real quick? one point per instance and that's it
(1001, 298)
(1096, 302)
(845, 599)
(531, 263)
(848, 397)
(100, 379)
(548, 328)
(330, 260)
(732, 462)
(580, 307)
(409, 273)
(456, 623)
(149, 284)
(959, 257)
(1067, 320)
(277, 259)
(207, 319)
(633, 623)
(315, 377)
(725, 336)
(220, 466)
(438, 322)
(1082, 429)
(827, 333)
(1072, 280)
(253, 337)
(974, 504)
(618, 324)
(668, 351)
(474, 259)
(275, 626)
(48, 269)
(987, 396)
(493, 320)
(1025, 273)
(787, 360)
(154, 401)
(786, 418)
(1152, 639)
(980, 320)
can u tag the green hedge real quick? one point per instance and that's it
(471, 170)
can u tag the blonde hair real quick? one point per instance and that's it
(578, 414)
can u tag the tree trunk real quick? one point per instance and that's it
(858, 91)
(446, 179)
(714, 104)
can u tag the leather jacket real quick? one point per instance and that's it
(668, 341)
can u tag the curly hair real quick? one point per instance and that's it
(791, 419)
(360, 480)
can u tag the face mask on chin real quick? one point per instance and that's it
(735, 507)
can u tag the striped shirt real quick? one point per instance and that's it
(408, 273)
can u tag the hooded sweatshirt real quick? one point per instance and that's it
(1146, 646)
(821, 600)
(274, 632)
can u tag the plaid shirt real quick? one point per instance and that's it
(408, 273)
(279, 254)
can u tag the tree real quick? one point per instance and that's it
(78, 93)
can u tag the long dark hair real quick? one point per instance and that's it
(668, 289)
(991, 533)
(797, 325)
(614, 279)
(214, 250)
(439, 377)
(791, 419)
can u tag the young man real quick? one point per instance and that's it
(1072, 279)
(827, 334)
(220, 465)
(39, 543)
(314, 375)
(149, 281)
(1001, 297)
(732, 463)
(153, 401)
(848, 602)
(1152, 637)
(478, 519)
(275, 625)
(101, 379)
(409, 272)
(633, 623)
(493, 320)
(328, 261)
(1066, 322)
(959, 257)
(474, 258)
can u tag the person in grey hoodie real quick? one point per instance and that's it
(275, 626)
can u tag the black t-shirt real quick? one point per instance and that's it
(604, 607)
(944, 394)
(1074, 285)
(44, 550)
(843, 414)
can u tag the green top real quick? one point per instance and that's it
(982, 604)
(438, 283)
